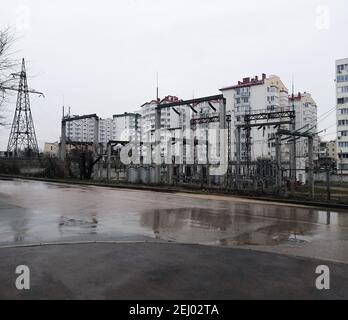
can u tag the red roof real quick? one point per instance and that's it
(247, 82)
(298, 97)
(167, 99)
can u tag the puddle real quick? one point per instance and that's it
(43, 212)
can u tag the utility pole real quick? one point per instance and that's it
(108, 161)
(311, 166)
(279, 162)
(223, 142)
(238, 168)
(158, 114)
(341, 161)
(293, 162)
(328, 181)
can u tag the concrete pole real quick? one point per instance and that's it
(328, 182)
(201, 176)
(170, 174)
(208, 164)
(279, 162)
(311, 166)
(157, 164)
(223, 141)
(96, 134)
(238, 171)
(109, 162)
(101, 169)
(293, 159)
(63, 141)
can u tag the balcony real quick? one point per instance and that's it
(242, 95)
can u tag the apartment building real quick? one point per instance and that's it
(254, 95)
(106, 128)
(306, 121)
(171, 119)
(121, 127)
(328, 149)
(342, 114)
(126, 127)
(332, 150)
(208, 131)
(82, 130)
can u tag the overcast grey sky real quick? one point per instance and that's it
(102, 56)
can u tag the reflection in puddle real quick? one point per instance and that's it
(223, 227)
(20, 229)
(77, 225)
(295, 238)
(38, 212)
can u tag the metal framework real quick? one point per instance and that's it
(277, 118)
(191, 104)
(270, 115)
(65, 139)
(72, 119)
(310, 137)
(207, 120)
(22, 136)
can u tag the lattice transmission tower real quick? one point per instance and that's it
(22, 137)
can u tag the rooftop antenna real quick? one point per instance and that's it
(293, 94)
(157, 88)
(63, 107)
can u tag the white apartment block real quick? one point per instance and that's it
(254, 95)
(126, 127)
(269, 94)
(208, 131)
(171, 119)
(122, 127)
(306, 120)
(342, 114)
(82, 130)
(106, 128)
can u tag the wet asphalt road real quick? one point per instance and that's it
(164, 271)
(37, 212)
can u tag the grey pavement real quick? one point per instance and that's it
(164, 271)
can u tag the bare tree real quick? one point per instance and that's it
(7, 65)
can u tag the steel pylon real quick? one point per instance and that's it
(22, 137)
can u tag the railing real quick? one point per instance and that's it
(242, 95)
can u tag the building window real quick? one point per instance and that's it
(343, 133)
(342, 122)
(342, 67)
(342, 89)
(343, 155)
(343, 78)
(342, 100)
(341, 145)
